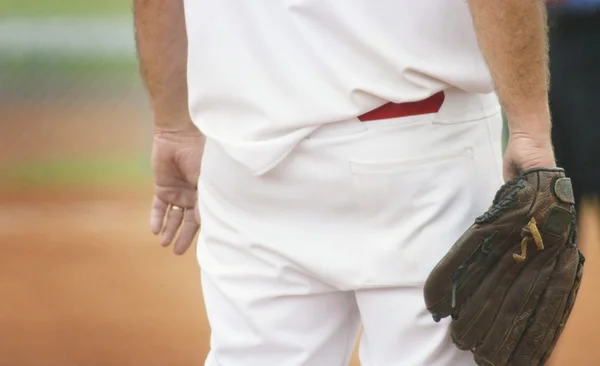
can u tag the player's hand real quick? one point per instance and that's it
(527, 151)
(176, 159)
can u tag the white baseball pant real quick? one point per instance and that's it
(343, 233)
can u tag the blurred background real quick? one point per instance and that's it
(82, 281)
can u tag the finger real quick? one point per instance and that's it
(172, 223)
(188, 231)
(157, 215)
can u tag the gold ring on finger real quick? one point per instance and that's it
(177, 208)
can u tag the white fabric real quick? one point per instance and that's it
(264, 74)
(344, 230)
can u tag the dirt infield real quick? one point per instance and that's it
(82, 282)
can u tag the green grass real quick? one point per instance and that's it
(77, 8)
(21, 68)
(81, 171)
(52, 76)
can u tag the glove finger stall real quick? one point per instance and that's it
(516, 307)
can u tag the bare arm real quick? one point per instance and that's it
(177, 145)
(513, 38)
(162, 50)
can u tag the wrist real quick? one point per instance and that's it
(536, 125)
(180, 135)
(169, 133)
(532, 140)
(165, 123)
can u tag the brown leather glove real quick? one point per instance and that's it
(511, 280)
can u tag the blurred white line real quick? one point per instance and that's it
(88, 36)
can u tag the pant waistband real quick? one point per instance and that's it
(446, 107)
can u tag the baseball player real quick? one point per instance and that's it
(334, 150)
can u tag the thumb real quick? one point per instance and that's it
(509, 172)
(510, 168)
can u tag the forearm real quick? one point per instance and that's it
(513, 38)
(162, 51)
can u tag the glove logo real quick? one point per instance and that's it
(563, 189)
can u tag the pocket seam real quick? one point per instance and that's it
(410, 163)
(440, 122)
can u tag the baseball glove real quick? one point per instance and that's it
(510, 282)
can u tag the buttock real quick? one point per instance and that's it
(364, 205)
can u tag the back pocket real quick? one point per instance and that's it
(415, 209)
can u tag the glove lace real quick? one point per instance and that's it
(531, 232)
(499, 205)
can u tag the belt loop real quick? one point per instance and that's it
(461, 106)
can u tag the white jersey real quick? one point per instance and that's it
(264, 74)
